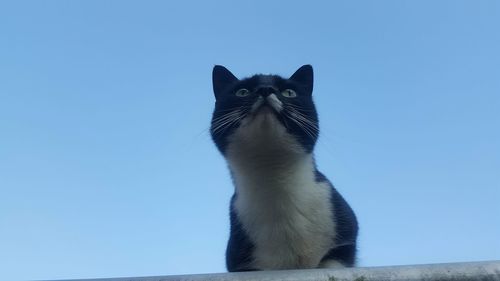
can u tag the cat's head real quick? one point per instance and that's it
(286, 103)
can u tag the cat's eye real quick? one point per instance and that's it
(289, 93)
(242, 93)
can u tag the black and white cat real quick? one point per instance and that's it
(284, 213)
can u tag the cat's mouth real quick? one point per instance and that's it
(268, 105)
(265, 109)
(264, 116)
(264, 113)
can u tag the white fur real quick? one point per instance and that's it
(285, 212)
(331, 264)
(275, 102)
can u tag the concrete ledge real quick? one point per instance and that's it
(468, 271)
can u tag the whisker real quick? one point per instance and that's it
(298, 107)
(234, 121)
(229, 120)
(306, 127)
(304, 119)
(225, 116)
(224, 120)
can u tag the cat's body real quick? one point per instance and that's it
(284, 214)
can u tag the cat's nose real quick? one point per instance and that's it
(266, 91)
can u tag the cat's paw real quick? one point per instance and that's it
(331, 264)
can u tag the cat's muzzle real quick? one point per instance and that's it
(267, 104)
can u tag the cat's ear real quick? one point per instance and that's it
(304, 76)
(221, 78)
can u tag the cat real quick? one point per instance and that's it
(284, 213)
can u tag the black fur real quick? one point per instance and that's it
(347, 227)
(225, 86)
(239, 249)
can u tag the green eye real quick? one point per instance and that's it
(289, 93)
(242, 93)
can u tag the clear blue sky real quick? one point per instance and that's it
(107, 168)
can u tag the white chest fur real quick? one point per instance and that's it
(285, 212)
